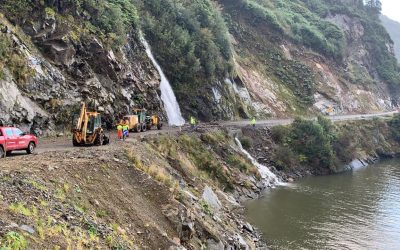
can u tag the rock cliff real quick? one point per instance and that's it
(225, 59)
(61, 70)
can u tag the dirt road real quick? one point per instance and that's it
(65, 144)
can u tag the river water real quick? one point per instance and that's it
(355, 210)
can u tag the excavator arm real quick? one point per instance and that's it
(81, 125)
(81, 117)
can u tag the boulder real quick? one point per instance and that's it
(211, 198)
(27, 229)
(214, 245)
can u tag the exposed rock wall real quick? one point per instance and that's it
(66, 72)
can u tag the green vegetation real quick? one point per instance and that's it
(12, 59)
(306, 142)
(209, 155)
(246, 142)
(393, 28)
(206, 208)
(13, 241)
(17, 10)
(205, 160)
(236, 160)
(190, 40)
(325, 147)
(375, 36)
(377, 39)
(158, 173)
(395, 127)
(259, 45)
(111, 20)
(21, 209)
(300, 24)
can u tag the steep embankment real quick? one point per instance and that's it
(171, 190)
(158, 193)
(393, 28)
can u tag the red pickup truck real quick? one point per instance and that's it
(14, 139)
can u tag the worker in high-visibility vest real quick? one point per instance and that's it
(192, 122)
(125, 130)
(253, 122)
(119, 131)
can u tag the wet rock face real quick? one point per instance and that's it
(68, 71)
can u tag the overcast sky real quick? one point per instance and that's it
(391, 8)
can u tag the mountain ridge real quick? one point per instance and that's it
(393, 27)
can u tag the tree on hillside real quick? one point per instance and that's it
(374, 6)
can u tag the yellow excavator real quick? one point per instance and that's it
(88, 130)
(153, 121)
(139, 121)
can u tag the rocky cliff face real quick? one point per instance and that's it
(63, 71)
(225, 59)
(267, 62)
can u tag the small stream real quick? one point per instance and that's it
(171, 105)
(359, 209)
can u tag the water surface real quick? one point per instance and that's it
(355, 210)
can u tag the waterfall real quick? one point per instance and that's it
(167, 94)
(266, 174)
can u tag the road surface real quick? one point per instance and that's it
(65, 143)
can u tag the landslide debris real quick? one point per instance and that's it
(159, 192)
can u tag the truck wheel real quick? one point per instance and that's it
(2, 153)
(137, 128)
(106, 140)
(99, 140)
(159, 126)
(144, 127)
(31, 148)
(74, 142)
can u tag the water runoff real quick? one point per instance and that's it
(270, 179)
(171, 106)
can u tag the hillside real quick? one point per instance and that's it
(393, 28)
(176, 190)
(224, 59)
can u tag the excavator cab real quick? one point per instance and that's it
(94, 122)
(88, 129)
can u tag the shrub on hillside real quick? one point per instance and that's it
(395, 127)
(280, 133)
(13, 60)
(246, 142)
(308, 138)
(284, 157)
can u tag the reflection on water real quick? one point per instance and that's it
(355, 210)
